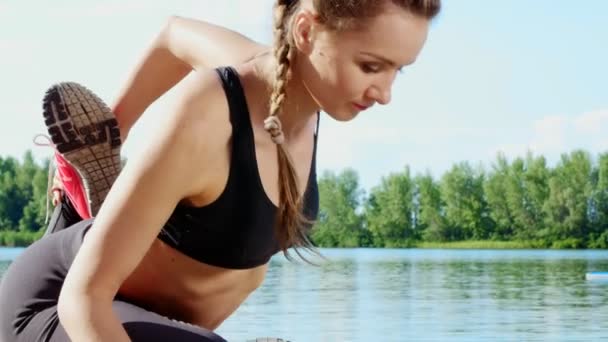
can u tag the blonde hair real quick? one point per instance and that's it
(335, 15)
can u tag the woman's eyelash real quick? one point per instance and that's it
(369, 68)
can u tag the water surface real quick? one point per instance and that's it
(423, 295)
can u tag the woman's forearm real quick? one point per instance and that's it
(86, 319)
(182, 45)
(157, 71)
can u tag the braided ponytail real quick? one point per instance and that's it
(335, 15)
(289, 227)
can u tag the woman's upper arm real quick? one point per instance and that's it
(204, 45)
(146, 193)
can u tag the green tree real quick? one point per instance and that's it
(22, 194)
(496, 188)
(525, 191)
(12, 198)
(465, 206)
(31, 182)
(389, 211)
(429, 223)
(34, 213)
(339, 224)
(566, 207)
(598, 205)
(528, 213)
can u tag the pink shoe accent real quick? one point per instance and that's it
(85, 133)
(72, 186)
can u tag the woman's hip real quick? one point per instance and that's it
(29, 290)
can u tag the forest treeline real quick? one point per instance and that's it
(522, 202)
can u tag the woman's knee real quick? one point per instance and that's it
(144, 325)
(152, 331)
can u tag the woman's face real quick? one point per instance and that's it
(349, 71)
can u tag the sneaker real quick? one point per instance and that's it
(85, 134)
(72, 205)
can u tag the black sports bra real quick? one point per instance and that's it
(236, 230)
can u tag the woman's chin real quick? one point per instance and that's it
(342, 115)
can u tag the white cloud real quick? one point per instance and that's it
(537, 136)
(549, 134)
(556, 134)
(593, 122)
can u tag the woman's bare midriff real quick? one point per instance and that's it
(179, 287)
(174, 285)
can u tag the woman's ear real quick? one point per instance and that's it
(303, 31)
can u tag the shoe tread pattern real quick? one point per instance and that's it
(85, 131)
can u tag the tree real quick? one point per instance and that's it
(23, 189)
(498, 192)
(430, 223)
(12, 198)
(598, 205)
(339, 225)
(566, 206)
(35, 212)
(465, 206)
(389, 211)
(529, 215)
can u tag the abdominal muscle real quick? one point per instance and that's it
(174, 285)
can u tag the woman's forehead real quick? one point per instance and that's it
(397, 36)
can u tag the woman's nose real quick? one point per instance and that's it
(380, 94)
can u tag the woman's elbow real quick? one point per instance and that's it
(75, 302)
(164, 35)
(176, 38)
(69, 306)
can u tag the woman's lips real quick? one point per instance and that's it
(360, 107)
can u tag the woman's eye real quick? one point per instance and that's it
(369, 68)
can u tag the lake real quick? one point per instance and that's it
(424, 295)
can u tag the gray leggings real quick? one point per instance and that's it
(30, 288)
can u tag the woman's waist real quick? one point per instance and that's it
(173, 284)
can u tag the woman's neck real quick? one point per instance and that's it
(299, 106)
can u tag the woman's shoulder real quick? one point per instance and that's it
(197, 116)
(200, 97)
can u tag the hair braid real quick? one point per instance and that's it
(289, 217)
(334, 15)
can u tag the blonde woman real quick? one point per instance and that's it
(85, 172)
(186, 232)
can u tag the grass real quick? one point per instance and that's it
(13, 238)
(479, 244)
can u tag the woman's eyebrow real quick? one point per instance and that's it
(385, 60)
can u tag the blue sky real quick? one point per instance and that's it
(509, 75)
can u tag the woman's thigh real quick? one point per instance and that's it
(30, 289)
(143, 325)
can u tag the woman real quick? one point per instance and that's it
(182, 45)
(201, 212)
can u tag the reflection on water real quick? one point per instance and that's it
(399, 295)
(402, 295)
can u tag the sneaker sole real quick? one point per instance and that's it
(85, 131)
